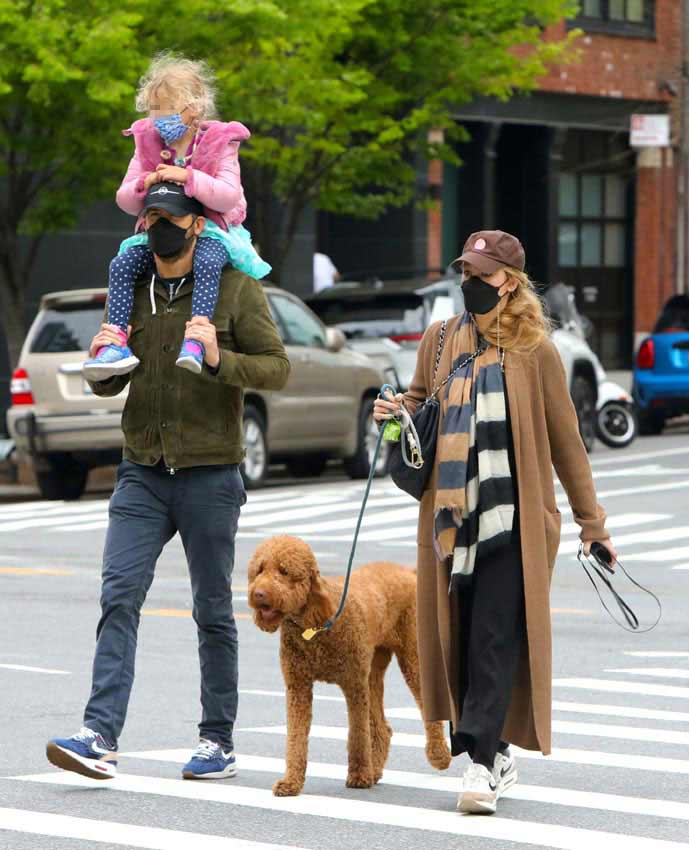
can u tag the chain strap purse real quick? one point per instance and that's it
(412, 457)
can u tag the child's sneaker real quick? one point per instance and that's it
(191, 356)
(208, 761)
(110, 360)
(86, 753)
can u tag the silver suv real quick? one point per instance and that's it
(63, 429)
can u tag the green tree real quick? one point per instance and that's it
(339, 96)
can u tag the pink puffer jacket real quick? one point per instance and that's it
(214, 177)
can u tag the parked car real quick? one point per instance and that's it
(388, 320)
(661, 370)
(63, 429)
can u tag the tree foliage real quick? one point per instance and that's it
(340, 97)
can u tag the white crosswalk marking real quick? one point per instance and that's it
(657, 672)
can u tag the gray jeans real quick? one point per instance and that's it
(147, 508)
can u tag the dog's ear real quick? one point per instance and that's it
(319, 605)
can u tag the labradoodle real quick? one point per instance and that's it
(287, 592)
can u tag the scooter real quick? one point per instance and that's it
(616, 421)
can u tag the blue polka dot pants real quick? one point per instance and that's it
(210, 256)
(126, 268)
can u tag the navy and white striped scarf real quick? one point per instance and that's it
(474, 498)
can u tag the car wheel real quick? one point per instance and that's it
(584, 399)
(307, 466)
(651, 422)
(616, 424)
(359, 464)
(61, 479)
(254, 467)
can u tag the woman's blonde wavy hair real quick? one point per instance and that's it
(186, 82)
(523, 321)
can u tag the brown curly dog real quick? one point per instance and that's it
(287, 592)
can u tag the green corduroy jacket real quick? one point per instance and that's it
(187, 419)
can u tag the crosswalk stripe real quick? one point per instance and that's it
(413, 713)
(613, 686)
(46, 522)
(657, 556)
(660, 535)
(681, 567)
(110, 832)
(559, 754)
(380, 518)
(24, 669)
(658, 672)
(450, 785)
(68, 509)
(289, 515)
(640, 653)
(382, 814)
(619, 521)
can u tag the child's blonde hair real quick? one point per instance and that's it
(186, 82)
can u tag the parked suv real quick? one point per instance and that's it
(63, 429)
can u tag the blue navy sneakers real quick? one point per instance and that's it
(110, 360)
(86, 753)
(191, 356)
(208, 761)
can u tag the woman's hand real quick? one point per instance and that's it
(151, 178)
(107, 335)
(608, 545)
(387, 406)
(172, 173)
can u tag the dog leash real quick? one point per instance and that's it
(311, 633)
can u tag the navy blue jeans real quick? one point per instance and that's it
(147, 508)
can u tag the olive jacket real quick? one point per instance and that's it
(546, 435)
(187, 419)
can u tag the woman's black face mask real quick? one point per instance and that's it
(167, 239)
(479, 297)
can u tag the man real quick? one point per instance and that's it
(183, 443)
(325, 273)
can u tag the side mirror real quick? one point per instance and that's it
(335, 340)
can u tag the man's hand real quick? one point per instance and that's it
(172, 173)
(201, 329)
(107, 335)
(151, 178)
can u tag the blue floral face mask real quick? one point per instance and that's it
(171, 128)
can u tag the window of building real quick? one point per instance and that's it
(592, 226)
(620, 17)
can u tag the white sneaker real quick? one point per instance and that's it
(504, 771)
(479, 791)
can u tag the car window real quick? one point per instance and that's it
(674, 316)
(301, 328)
(66, 328)
(370, 318)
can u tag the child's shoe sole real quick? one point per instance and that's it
(67, 760)
(102, 371)
(190, 364)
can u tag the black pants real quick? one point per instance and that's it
(492, 628)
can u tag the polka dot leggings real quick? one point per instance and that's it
(209, 259)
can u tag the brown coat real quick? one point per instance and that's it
(545, 433)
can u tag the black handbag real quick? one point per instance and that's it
(411, 470)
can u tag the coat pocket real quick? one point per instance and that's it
(553, 526)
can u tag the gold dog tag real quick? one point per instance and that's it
(310, 633)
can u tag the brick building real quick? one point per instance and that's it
(556, 168)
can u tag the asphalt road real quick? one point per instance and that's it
(618, 777)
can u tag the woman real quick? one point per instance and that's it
(489, 527)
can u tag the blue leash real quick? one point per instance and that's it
(310, 633)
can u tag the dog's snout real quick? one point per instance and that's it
(259, 595)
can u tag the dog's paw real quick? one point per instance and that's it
(438, 754)
(360, 779)
(287, 787)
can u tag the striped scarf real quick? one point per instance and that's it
(474, 499)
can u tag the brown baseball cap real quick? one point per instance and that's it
(490, 250)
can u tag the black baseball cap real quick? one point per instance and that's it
(172, 198)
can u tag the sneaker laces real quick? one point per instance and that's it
(206, 750)
(477, 771)
(84, 735)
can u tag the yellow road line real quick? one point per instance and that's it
(35, 571)
(180, 612)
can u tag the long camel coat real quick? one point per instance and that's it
(546, 435)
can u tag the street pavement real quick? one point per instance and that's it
(618, 777)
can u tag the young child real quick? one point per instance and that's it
(178, 143)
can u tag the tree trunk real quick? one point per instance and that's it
(15, 273)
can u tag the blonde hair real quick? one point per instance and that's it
(186, 82)
(523, 321)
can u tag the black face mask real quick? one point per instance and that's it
(167, 239)
(479, 297)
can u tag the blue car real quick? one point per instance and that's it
(661, 371)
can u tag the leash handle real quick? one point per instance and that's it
(308, 634)
(625, 608)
